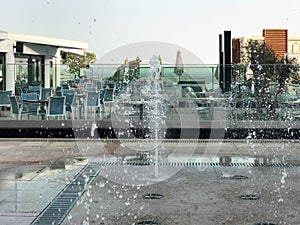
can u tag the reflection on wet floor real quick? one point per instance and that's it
(196, 197)
(145, 158)
(25, 190)
(28, 189)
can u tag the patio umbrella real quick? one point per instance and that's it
(160, 60)
(126, 62)
(178, 70)
(126, 65)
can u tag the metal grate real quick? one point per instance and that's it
(58, 209)
(236, 177)
(265, 223)
(147, 223)
(153, 196)
(249, 197)
(198, 164)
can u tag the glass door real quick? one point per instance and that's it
(35, 70)
(29, 70)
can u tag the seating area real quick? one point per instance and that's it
(97, 101)
(88, 101)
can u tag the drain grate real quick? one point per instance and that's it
(147, 223)
(153, 196)
(234, 177)
(265, 224)
(58, 209)
(137, 163)
(197, 164)
(249, 197)
(238, 177)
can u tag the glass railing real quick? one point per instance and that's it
(242, 101)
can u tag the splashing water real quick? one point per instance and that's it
(155, 69)
(284, 176)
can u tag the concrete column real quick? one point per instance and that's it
(57, 69)
(47, 73)
(10, 67)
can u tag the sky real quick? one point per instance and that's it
(107, 25)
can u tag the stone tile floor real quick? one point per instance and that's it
(34, 171)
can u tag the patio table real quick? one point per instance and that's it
(43, 103)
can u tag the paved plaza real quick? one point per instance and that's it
(201, 181)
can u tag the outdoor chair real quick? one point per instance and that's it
(92, 102)
(18, 110)
(67, 92)
(45, 93)
(56, 108)
(58, 91)
(202, 106)
(19, 90)
(108, 98)
(4, 99)
(32, 107)
(65, 85)
(110, 84)
(193, 99)
(34, 89)
(69, 102)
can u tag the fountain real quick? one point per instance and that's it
(155, 70)
(145, 113)
(141, 117)
(140, 124)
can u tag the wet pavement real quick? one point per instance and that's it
(201, 181)
(196, 196)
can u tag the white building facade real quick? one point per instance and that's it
(33, 60)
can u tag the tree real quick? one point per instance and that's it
(266, 67)
(76, 62)
(287, 69)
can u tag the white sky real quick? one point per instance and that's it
(109, 24)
